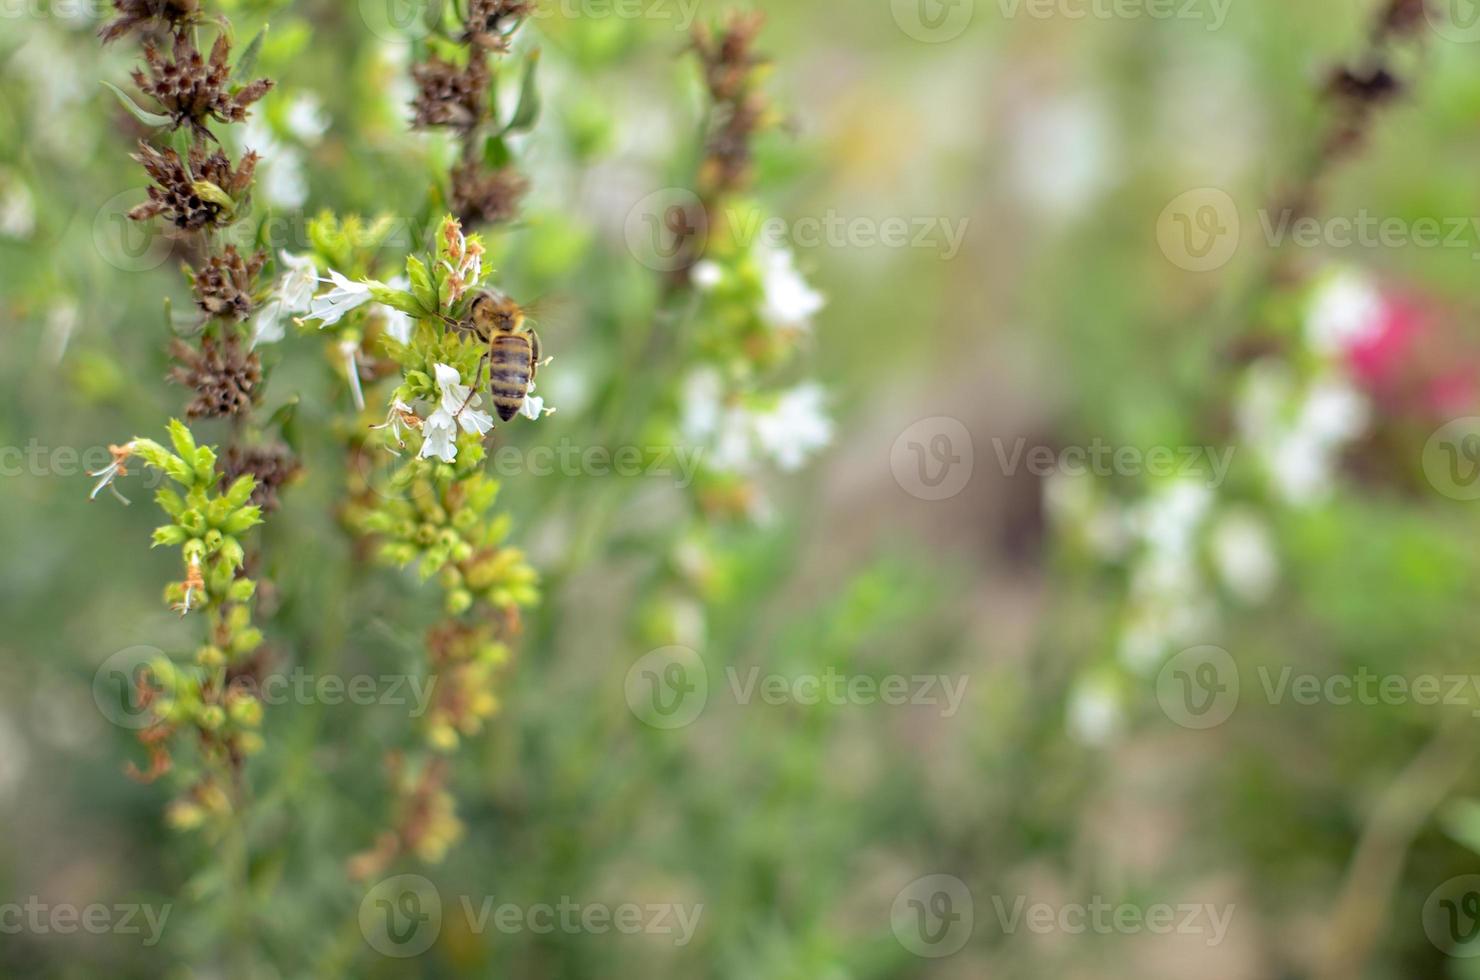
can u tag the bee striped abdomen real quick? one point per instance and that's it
(509, 367)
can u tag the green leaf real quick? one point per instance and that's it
(528, 109)
(496, 153)
(248, 60)
(139, 112)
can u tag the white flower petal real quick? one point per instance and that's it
(439, 437)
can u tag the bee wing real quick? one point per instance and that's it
(552, 312)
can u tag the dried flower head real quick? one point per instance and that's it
(489, 23)
(729, 59)
(224, 375)
(187, 195)
(224, 287)
(486, 197)
(273, 466)
(192, 90)
(449, 95)
(142, 15)
(1401, 17)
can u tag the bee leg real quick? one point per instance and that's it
(473, 388)
(534, 354)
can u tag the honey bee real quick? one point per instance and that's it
(513, 349)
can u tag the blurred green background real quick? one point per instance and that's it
(1326, 832)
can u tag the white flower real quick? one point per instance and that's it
(398, 324)
(458, 406)
(789, 303)
(706, 274)
(1064, 153)
(796, 428)
(306, 118)
(703, 402)
(534, 405)
(329, 308)
(280, 174)
(1244, 555)
(1334, 413)
(438, 435)
(17, 212)
(350, 350)
(399, 419)
(1094, 712)
(299, 281)
(736, 435)
(293, 294)
(1345, 310)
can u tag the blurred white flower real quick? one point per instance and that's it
(293, 294)
(706, 274)
(1299, 435)
(789, 303)
(703, 404)
(17, 211)
(1334, 412)
(306, 118)
(1072, 502)
(1094, 712)
(281, 180)
(1168, 521)
(1345, 309)
(736, 435)
(1243, 553)
(61, 321)
(398, 324)
(1062, 153)
(329, 308)
(351, 351)
(796, 428)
